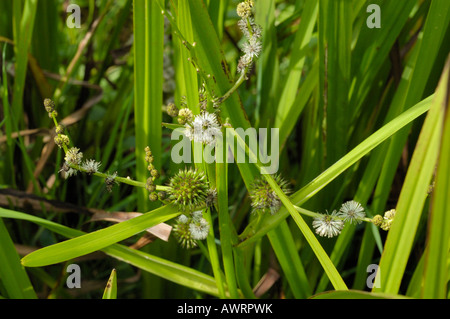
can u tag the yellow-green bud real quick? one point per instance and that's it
(61, 140)
(185, 115)
(154, 173)
(150, 187)
(390, 214)
(49, 105)
(59, 129)
(172, 110)
(244, 10)
(377, 220)
(386, 225)
(153, 197)
(52, 114)
(162, 195)
(388, 219)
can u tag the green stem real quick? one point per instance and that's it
(123, 180)
(236, 85)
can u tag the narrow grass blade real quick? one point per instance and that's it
(288, 257)
(217, 11)
(12, 274)
(335, 34)
(23, 31)
(99, 239)
(228, 236)
(213, 256)
(412, 197)
(242, 274)
(148, 77)
(111, 287)
(186, 78)
(435, 27)
(267, 73)
(289, 86)
(435, 274)
(9, 124)
(373, 47)
(306, 89)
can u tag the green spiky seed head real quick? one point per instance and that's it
(263, 198)
(188, 189)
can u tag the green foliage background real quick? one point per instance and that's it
(363, 115)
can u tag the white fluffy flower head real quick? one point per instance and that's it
(74, 156)
(252, 48)
(204, 129)
(91, 166)
(352, 211)
(328, 225)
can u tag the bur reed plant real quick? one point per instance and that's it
(86, 139)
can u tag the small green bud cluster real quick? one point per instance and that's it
(172, 110)
(154, 174)
(244, 9)
(60, 139)
(185, 115)
(50, 108)
(384, 222)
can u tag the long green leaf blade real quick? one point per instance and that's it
(435, 275)
(412, 198)
(12, 273)
(164, 268)
(99, 239)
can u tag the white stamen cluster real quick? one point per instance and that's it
(253, 46)
(352, 211)
(191, 228)
(204, 129)
(74, 156)
(91, 166)
(328, 225)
